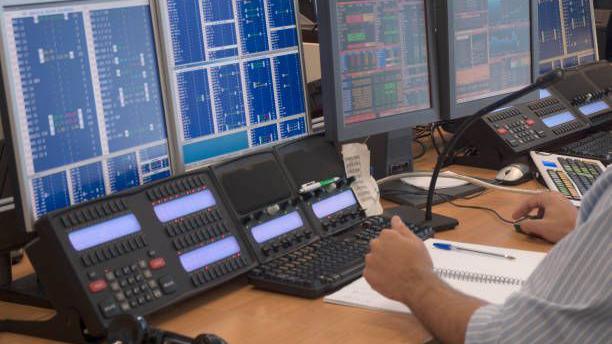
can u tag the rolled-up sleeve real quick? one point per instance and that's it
(568, 298)
(485, 325)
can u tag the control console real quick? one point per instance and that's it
(138, 251)
(576, 104)
(269, 211)
(587, 90)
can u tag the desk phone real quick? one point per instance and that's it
(587, 90)
(575, 105)
(138, 251)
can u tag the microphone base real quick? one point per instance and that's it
(438, 222)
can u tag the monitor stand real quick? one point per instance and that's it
(26, 290)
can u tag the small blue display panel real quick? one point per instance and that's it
(104, 232)
(209, 254)
(334, 204)
(593, 108)
(185, 205)
(277, 227)
(556, 120)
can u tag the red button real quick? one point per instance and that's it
(97, 286)
(157, 263)
(530, 122)
(502, 131)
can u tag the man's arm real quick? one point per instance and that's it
(444, 311)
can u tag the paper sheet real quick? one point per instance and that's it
(360, 294)
(356, 158)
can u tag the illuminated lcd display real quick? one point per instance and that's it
(104, 232)
(594, 108)
(559, 119)
(279, 226)
(185, 205)
(209, 254)
(334, 204)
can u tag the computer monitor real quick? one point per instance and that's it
(567, 33)
(488, 49)
(236, 76)
(378, 66)
(84, 107)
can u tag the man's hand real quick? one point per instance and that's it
(558, 216)
(398, 263)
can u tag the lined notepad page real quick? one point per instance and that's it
(360, 294)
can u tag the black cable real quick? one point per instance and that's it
(439, 130)
(422, 152)
(434, 143)
(449, 198)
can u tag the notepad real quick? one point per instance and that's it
(488, 278)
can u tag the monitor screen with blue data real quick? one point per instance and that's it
(567, 33)
(86, 110)
(236, 75)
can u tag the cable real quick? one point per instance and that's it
(422, 152)
(449, 199)
(468, 179)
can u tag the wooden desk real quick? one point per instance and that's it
(241, 314)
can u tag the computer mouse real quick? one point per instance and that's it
(514, 174)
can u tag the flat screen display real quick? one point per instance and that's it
(558, 119)
(104, 232)
(334, 204)
(209, 254)
(277, 227)
(185, 205)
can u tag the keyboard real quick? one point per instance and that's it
(571, 176)
(597, 146)
(325, 265)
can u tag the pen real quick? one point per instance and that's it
(449, 247)
(317, 185)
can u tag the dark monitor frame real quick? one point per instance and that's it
(450, 109)
(332, 83)
(9, 111)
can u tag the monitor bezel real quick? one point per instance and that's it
(10, 108)
(165, 40)
(332, 84)
(451, 109)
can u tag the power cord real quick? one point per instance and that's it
(449, 199)
(468, 179)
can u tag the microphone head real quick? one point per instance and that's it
(550, 78)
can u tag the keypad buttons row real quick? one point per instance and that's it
(199, 236)
(569, 127)
(203, 219)
(114, 250)
(500, 116)
(176, 187)
(95, 212)
(284, 242)
(218, 270)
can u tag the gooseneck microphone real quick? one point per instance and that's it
(542, 82)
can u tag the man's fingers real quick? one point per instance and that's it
(398, 225)
(535, 227)
(526, 207)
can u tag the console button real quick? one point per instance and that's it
(97, 286)
(167, 284)
(157, 263)
(109, 308)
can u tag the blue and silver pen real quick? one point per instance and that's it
(449, 247)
